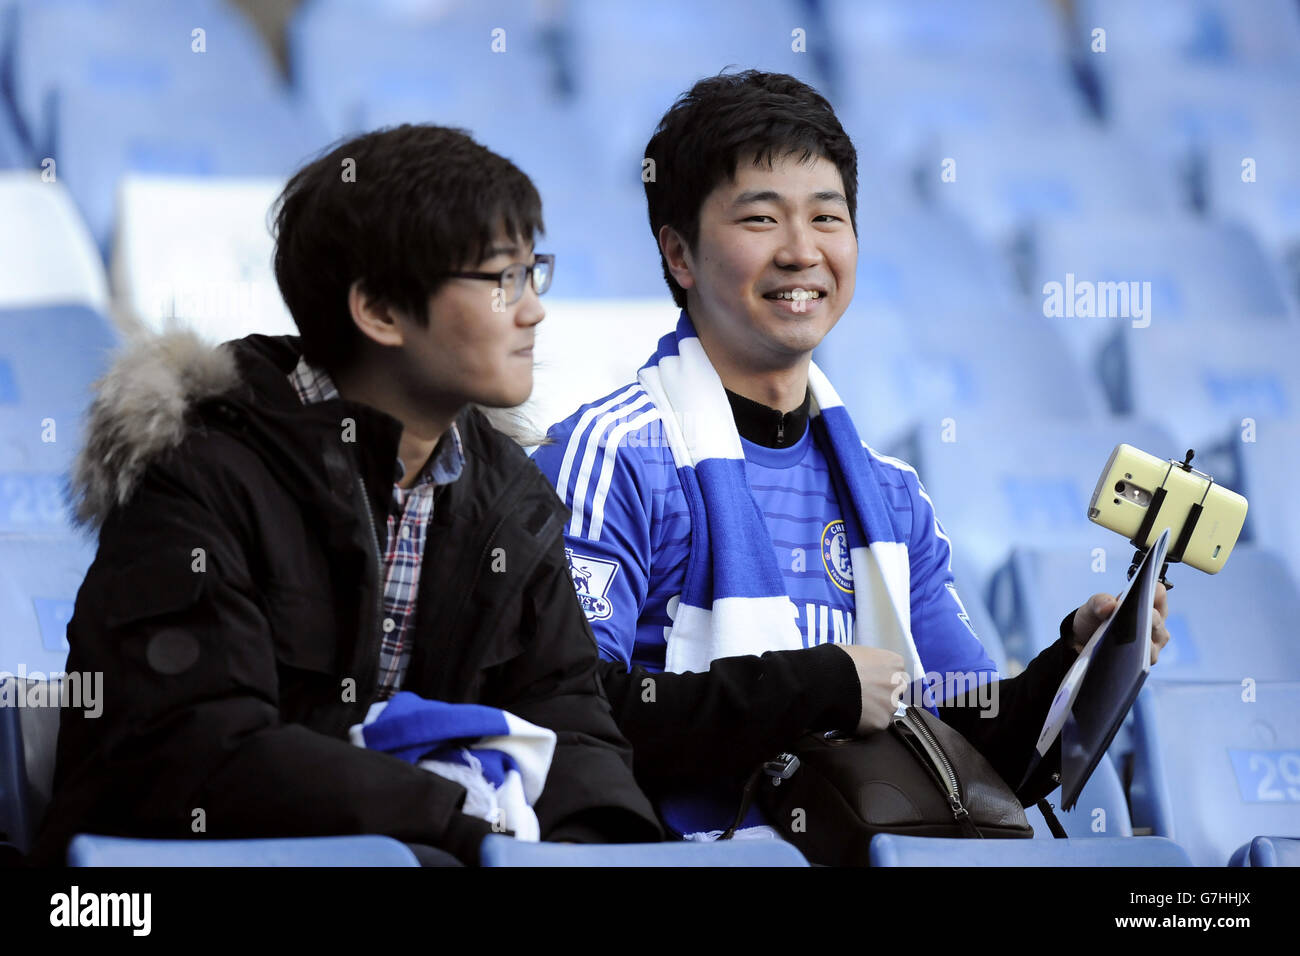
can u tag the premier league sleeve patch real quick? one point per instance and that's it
(591, 579)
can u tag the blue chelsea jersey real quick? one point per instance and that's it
(629, 535)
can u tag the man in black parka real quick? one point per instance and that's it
(292, 528)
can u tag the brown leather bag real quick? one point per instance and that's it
(918, 777)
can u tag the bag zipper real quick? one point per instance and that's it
(939, 760)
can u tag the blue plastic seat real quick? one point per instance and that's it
(984, 363)
(997, 29)
(1264, 467)
(1140, 276)
(504, 851)
(99, 135)
(1007, 180)
(995, 487)
(630, 62)
(50, 356)
(1238, 621)
(888, 849)
(87, 850)
(1268, 851)
(1100, 812)
(39, 580)
(139, 48)
(1202, 379)
(1219, 763)
(442, 59)
(902, 107)
(1192, 31)
(1256, 180)
(48, 359)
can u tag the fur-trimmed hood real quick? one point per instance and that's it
(140, 411)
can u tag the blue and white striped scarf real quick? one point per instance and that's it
(734, 600)
(501, 760)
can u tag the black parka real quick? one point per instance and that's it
(235, 611)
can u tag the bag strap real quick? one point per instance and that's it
(746, 798)
(1053, 824)
(781, 767)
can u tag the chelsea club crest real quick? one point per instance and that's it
(835, 556)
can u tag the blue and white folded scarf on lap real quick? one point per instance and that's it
(501, 760)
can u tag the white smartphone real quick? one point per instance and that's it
(1128, 486)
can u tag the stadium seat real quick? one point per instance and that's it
(1268, 851)
(998, 483)
(983, 363)
(504, 851)
(1233, 624)
(138, 48)
(1100, 812)
(28, 735)
(1219, 762)
(52, 355)
(87, 850)
(1021, 30)
(624, 81)
(1196, 272)
(1008, 180)
(1181, 109)
(39, 580)
(101, 135)
(1192, 31)
(888, 849)
(919, 264)
(1201, 379)
(441, 56)
(199, 248)
(16, 825)
(48, 359)
(47, 255)
(901, 107)
(1256, 180)
(1222, 627)
(1265, 464)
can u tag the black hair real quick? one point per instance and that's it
(721, 118)
(414, 201)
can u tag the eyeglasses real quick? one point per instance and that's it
(511, 279)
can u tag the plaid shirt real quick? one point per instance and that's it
(406, 534)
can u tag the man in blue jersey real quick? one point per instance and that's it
(752, 570)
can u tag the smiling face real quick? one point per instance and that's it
(773, 268)
(471, 352)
